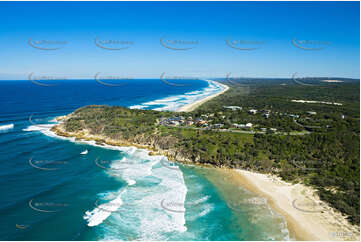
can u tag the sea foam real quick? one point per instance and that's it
(173, 103)
(103, 211)
(6, 127)
(136, 165)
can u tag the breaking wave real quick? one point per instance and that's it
(173, 103)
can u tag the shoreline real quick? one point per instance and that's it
(192, 106)
(327, 225)
(319, 223)
(307, 217)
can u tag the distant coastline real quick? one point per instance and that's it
(192, 106)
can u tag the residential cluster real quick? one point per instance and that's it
(204, 121)
(175, 121)
(207, 121)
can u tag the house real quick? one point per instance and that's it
(162, 120)
(217, 126)
(249, 125)
(266, 113)
(189, 122)
(238, 126)
(233, 108)
(201, 121)
(293, 116)
(175, 119)
(175, 123)
(253, 111)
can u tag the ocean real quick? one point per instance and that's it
(55, 188)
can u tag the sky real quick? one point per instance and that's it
(200, 39)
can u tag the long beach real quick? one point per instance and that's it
(190, 107)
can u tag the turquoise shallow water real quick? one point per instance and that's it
(52, 192)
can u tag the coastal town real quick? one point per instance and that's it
(207, 120)
(222, 121)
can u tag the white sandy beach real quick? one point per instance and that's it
(308, 218)
(190, 107)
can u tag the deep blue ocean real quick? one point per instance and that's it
(54, 188)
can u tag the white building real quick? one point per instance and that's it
(233, 108)
(238, 125)
(253, 111)
(176, 123)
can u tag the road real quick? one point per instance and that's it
(239, 131)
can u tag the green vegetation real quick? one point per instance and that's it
(326, 157)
